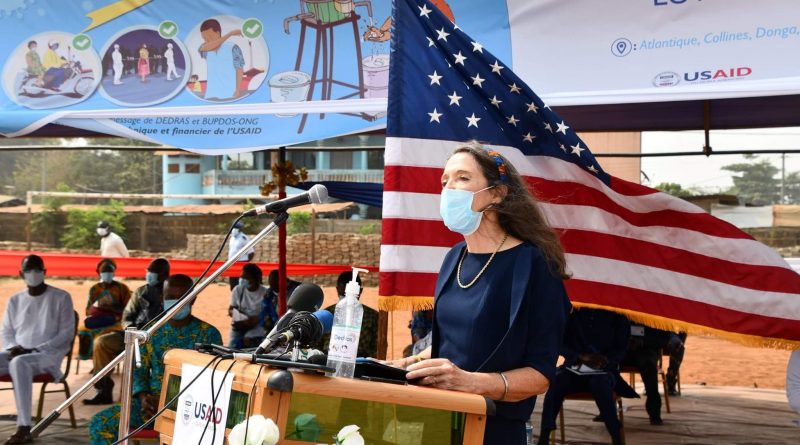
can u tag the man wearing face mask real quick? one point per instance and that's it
(182, 332)
(38, 325)
(107, 299)
(248, 301)
(111, 245)
(145, 304)
(238, 240)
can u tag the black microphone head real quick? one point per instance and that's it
(320, 358)
(284, 322)
(306, 297)
(318, 194)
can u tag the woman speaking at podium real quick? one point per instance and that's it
(500, 304)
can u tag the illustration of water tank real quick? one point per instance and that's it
(289, 86)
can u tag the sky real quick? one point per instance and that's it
(705, 173)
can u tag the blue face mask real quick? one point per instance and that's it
(184, 312)
(106, 277)
(455, 207)
(151, 278)
(244, 282)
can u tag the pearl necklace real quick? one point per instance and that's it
(461, 261)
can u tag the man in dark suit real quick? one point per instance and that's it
(595, 341)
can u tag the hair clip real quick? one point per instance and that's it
(501, 166)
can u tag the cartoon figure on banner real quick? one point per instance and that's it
(145, 66)
(63, 74)
(229, 57)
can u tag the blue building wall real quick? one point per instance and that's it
(183, 174)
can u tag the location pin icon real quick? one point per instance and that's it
(621, 46)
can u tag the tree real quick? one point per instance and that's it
(675, 189)
(755, 181)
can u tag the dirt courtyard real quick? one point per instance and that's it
(708, 361)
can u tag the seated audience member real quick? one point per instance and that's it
(793, 381)
(248, 300)
(675, 347)
(368, 341)
(145, 304)
(182, 331)
(38, 327)
(421, 326)
(594, 344)
(274, 287)
(107, 300)
(644, 352)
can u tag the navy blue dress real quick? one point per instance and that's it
(512, 317)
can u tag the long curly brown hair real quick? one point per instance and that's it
(518, 213)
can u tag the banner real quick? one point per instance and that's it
(586, 52)
(207, 75)
(64, 265)
(203, 408)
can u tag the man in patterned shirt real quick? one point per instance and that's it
(183, 331)
(368, 341)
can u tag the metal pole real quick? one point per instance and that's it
(783, 178)
(281, 238)
(125, 410)
(29, 228)
(132, 339)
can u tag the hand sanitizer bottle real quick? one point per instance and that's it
(346, 329)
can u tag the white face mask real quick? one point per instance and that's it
(235, 232)
(33, 278)
(106, 277)
(102, 231)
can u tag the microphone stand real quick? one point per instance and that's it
(134, 337)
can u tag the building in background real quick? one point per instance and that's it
(355, 158)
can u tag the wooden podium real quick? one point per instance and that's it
(310, 408)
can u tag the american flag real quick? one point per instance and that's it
(628, 247)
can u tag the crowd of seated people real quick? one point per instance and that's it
(33, 348)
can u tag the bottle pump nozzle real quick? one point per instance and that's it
(352, 286)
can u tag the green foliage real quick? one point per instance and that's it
(299, 222)
(98, 170)
(674, 189)
(368, 229)
(756, 182)
(80, 231)
(45, 225)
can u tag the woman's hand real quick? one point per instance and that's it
(442, 373)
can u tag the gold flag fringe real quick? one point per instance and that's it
(668, 324)
(397, 303)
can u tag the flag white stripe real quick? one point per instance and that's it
(403, 205)
(424, 259)
(432, 153)
(428, 259)
(680, 285)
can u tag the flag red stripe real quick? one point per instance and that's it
(690, 311)
(765, 278)
(417, 284)
(427, 180)
(758, 277)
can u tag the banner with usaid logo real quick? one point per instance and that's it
(198, 413)
(621, 51)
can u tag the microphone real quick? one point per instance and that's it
(306, 328)
(306, 297)
(318, 194)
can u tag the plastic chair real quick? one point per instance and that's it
(46, 379)
(587, 396)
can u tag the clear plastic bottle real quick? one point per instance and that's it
(346, 330)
